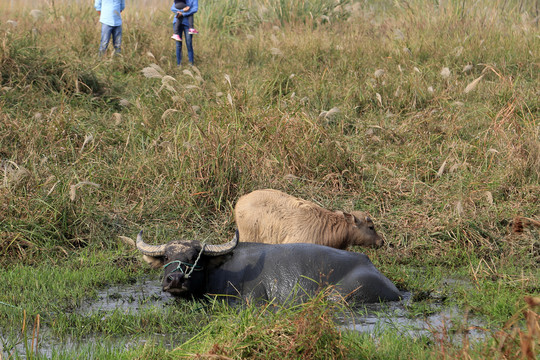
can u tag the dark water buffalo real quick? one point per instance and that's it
(266, 272)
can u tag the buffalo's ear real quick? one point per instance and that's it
(154, 261)
(350, 218)
(359, 221)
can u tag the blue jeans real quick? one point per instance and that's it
(106, 32)
(184, 30)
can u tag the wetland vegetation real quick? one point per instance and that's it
(423, 113)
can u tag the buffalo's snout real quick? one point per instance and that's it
(174, 280)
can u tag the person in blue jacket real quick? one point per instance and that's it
(111, 23)
(180, 4)
(181, 15)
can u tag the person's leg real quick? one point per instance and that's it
(189, 44)
(117, 38)
(192, 29)
(106, 31)
(177, 27)
(179, 48)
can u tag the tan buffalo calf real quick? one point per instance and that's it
(273, 217)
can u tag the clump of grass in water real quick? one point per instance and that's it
(272, 331)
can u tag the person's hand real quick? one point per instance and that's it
(179, 14)
(186, 8)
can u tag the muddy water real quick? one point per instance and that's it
(146, 292)
(50, 347)
(128, 298)
(372, 318)
(440, 321)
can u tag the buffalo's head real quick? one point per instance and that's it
(183, 263)
(362, 230)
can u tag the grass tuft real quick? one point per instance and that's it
(304, 331)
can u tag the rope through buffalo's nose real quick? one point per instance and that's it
(180, 263)
(196, 261)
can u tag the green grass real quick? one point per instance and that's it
(93, 149)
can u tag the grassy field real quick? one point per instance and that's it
(423, 113)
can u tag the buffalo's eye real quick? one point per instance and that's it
(166, 258)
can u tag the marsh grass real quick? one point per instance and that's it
(342, 103)
(514, 341)
(304, 331)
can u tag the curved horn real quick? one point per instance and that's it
(216, 250)
(150, 250)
